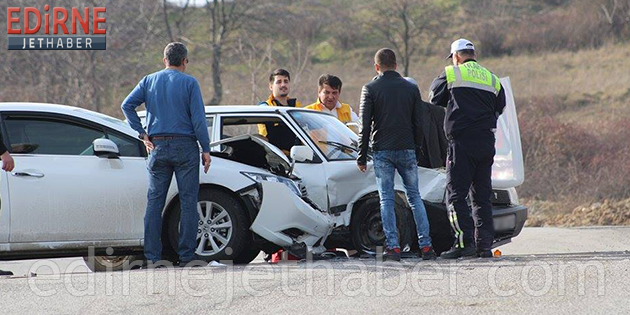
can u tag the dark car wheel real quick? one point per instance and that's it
(440, 228)
(223, 228)
(113, 263)
(367, 228)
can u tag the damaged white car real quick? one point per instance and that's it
(80, 183)
(323, 162)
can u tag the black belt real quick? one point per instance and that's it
(168, 137)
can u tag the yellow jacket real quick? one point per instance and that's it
(344, 112)
(271, 101)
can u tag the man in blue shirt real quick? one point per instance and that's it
(176, 120)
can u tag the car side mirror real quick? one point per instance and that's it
(105, 148)
(301, 153)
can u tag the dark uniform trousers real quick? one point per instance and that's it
(469, 169)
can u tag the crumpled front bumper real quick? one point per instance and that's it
(284, 218)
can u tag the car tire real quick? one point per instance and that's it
(113, 263)
(247, 255)
(228, 243)
(440, 228)
(367, 229)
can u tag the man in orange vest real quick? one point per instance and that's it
(328, 99)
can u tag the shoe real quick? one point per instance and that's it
(427, 253)
(456, 252)
(194, 262)
(147, 264)
(392, 254)
(485, 254)
(5, 273)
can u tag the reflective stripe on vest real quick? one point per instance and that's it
(472, 75)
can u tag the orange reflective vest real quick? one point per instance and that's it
(344, 112)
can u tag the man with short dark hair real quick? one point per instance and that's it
(176, 126)
(390, 116)
(474, 99)
(279, 134)
(328, 92)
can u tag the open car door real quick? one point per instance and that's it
(508, 170)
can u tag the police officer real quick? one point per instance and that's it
(474, 99)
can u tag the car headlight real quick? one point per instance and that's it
(258, 177)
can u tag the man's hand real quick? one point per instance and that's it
(362, 167)
(205, 158)
(147, 143)
(7, 162)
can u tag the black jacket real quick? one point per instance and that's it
(467, 109)
(435, 145)
(391, 111)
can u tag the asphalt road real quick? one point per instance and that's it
(544, 270)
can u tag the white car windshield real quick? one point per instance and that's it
(332, 137)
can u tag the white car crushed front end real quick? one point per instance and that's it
(286, 216)
(285, 219)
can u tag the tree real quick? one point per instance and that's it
(408, 25)
(225, 18)
(180, 21)
(254, 55)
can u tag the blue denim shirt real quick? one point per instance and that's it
(174, 106)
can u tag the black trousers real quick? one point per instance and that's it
(469, 170)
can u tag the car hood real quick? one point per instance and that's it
(275, 157)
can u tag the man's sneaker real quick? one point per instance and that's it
(5, 273)
(147, 264)
(427, 253)
(456, 252)
(392, 254)
(485, 254)
(194, 262)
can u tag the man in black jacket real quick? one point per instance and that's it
(474, 99)
(390, 116)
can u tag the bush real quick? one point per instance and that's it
(567, 162)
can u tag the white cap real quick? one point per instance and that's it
(460, 44)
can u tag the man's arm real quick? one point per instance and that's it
(129, 105)
(439, 91)
(420, 122)
(5, 156)
(198, 117)
(500, 106)
(366, 109)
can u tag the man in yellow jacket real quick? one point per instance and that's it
(328, 99)
(277, 133)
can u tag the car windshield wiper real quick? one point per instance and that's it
(339, 145)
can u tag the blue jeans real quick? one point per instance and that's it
(385, 165)
(180, 156)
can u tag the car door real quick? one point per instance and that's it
(508, 170)
(60, 191)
